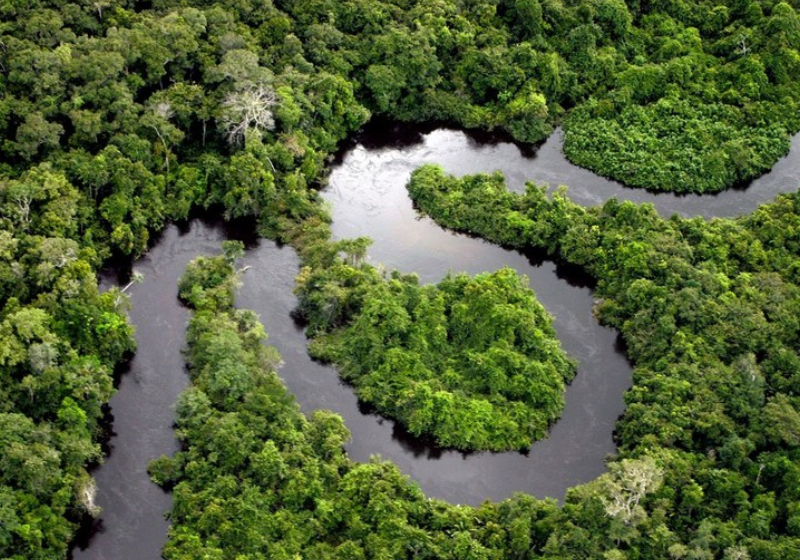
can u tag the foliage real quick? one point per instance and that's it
(258, 479)
(673, 144)
(472, 362)
(115, 117)
(708, 311)
(59, 342)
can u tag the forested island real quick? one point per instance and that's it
(118, 117)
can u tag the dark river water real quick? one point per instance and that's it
(367, 196)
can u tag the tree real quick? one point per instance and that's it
(19, 198)
(782, 421)
(249, 187)
(783, 27)
(239, 66)
(529, 15)
(37, 132)
(626, 483)
(232, 251)
(249, 109)
(157, 117)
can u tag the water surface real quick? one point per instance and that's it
(367, 194)
(132, 524)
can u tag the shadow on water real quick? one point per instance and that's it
(381, 133)
(466, 152)
(367, 194)
(415, 445)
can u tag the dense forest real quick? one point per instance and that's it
(709, 313)
(118, 116)
(472, 362)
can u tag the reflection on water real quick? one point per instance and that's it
(462, 153)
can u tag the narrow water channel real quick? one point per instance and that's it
(402, 148)
(132, 525)
(367, 195)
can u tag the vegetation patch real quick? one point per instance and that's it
(258, 479)
(116, 117)
(472, 362)
(690, 97)
(673, 144)
(60, 339)
(708, 311)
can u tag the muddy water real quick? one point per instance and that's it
(367, 195)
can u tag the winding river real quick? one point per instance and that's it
(367, 195)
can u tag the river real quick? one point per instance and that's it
(367, 195)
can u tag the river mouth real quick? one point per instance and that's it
(366, 191)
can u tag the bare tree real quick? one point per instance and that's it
(3, 49)
(743, 48)
(626, 483)
(87, 492)
(20, 198)
(99, 5)
(119, 297)
(161, 113)
(248, 109)
(736, 553)
(23, 201)
(54, 254)
(42, 356)
(136, 278)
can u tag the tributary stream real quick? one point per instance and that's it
(368, 198)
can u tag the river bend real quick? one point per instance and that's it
(367, 196)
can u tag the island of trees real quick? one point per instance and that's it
(117, 117)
